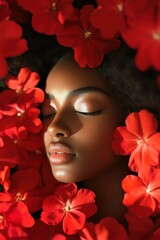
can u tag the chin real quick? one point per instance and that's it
(63, 177)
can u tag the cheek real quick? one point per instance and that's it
(95, 146)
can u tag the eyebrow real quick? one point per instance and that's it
(80, 91)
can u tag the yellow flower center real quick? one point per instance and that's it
(141, 141)
(68, 207)
(2, 221)
(19, 114)
(20, 196)
(148, 190)
(1, 218)
(87, 34)
(156, 36)
(53, 5)
(120, 7)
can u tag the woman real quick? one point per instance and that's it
(81, 110)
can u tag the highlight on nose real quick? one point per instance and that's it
(57, 131)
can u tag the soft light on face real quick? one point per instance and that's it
(79, 117)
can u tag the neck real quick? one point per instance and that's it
(109, 193)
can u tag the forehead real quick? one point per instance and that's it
(66, 75)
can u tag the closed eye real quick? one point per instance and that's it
(90, 113)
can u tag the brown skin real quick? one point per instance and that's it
(84, 121)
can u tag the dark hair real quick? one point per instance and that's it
(134, 89)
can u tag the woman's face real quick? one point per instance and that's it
(80, 116)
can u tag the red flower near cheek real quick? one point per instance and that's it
(11, 44)
(140, 139)
(88, 44)
(142, 192)
(70, 206)
(109, 17)
(50, 15)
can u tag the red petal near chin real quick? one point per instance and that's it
(73, 221)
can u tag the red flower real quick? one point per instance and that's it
(109, 17)
(24, 117)
(107, 229)
(24, 85)
(143, 191)
(16, 144)
(69, 205)
(25, 189)
(5, 178)
(26, 79)
(11, 44)
(89, 46)
(140, 139)
(14, 218)
(143, 34)
(50, 15)
(142, 228)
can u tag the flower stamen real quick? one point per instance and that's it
(156, 36)
(2, 221)
(120, 7)
(67, 207)
(53, 5)
(87, 34)
(20, 197)
(141, 141)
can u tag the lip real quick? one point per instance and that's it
(60, 153)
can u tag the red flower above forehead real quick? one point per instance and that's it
(109, 17)
(49, 15)
(88, 44)
(139, 139)
(70, 206)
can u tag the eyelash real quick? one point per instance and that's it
(90, 113)
(82, 113)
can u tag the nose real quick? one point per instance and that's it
(59, 128)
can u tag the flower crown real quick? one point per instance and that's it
(26, 182)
